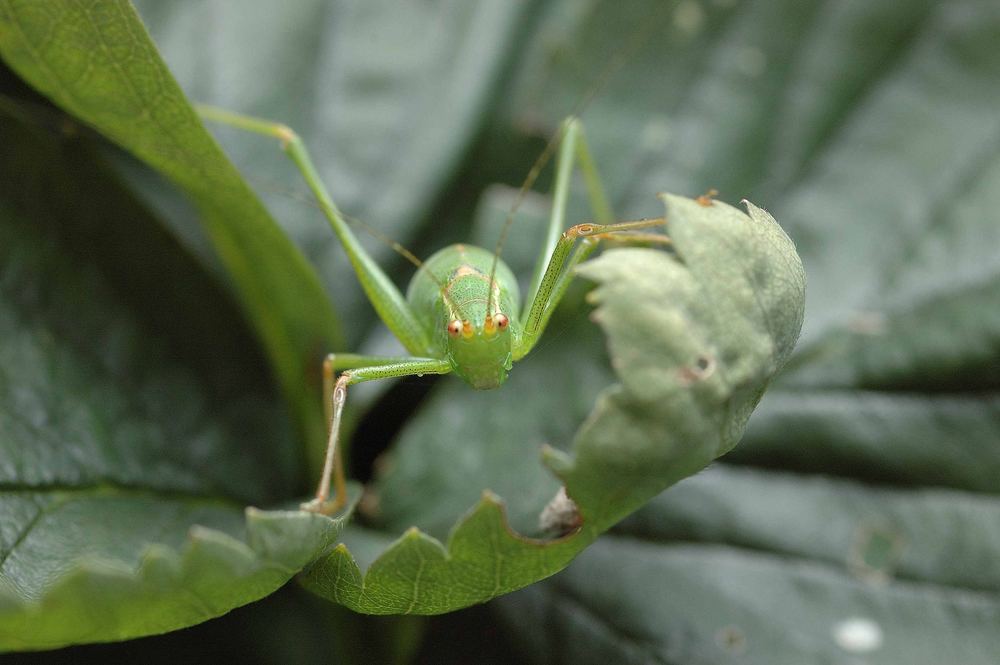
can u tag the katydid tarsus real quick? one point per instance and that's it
(462, 311)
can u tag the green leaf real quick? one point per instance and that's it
(97, 62)
(488, 506)
(150, 572)
(869, 129)
(134, 428)
(694, 336)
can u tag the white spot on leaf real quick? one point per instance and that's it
(857, 635)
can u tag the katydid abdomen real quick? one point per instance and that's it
(475, 341)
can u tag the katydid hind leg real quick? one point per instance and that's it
(388, 301)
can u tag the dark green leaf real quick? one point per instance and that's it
(867, 493)
(133, 427)
(96, 61)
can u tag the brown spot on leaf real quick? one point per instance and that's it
(706, 199)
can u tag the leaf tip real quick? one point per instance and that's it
(556, 459)
(491, 498)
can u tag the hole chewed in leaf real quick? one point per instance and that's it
(701, 369)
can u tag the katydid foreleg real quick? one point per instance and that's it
(559, 272)
(335, 395)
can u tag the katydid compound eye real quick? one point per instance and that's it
(455, 328)
(501, 320)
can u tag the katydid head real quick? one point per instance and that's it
(481, 354)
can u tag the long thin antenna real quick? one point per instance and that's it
(617, 61)
(367, 228)
(287, 136)
(310, 200)
(406, 254)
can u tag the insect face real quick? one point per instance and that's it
(483, 357)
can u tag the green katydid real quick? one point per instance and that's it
(462, 310)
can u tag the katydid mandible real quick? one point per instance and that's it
(462, 311)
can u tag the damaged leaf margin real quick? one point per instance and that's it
(211, 573)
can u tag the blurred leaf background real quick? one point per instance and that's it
(866, 487)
